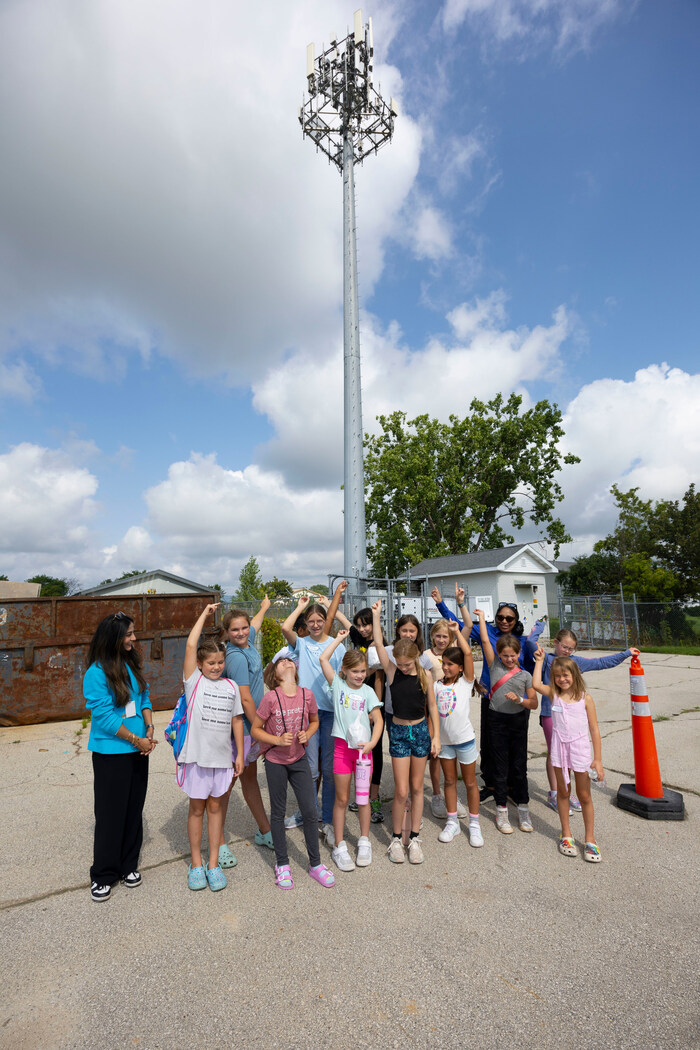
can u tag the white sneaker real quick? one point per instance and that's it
(450, 831)
(415, 853)
(438, 807)
(475, 836)
(342, 857)
(328, 834)
(462, 811)
(524, 819)
(364, 852)
(502, 822)
(295, 821)
(396, 851)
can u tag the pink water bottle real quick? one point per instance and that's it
(363, 776)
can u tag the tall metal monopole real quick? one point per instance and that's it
(348, 120)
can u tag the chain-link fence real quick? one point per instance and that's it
(602, 622)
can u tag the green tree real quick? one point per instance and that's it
(320, 588)
(449, 488)
(275, 588)
(592, 574)
(51, 586)
(250, 584)
(133, 572)
(677, 530)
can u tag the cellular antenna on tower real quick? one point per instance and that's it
(348, 120)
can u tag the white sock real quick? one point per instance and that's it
(473, 819)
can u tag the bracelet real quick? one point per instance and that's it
(149, 725)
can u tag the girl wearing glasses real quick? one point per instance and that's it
(565, 647)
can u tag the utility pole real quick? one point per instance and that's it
(347, 119)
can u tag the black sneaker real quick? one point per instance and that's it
(377, 816)
(131, 880)
(486, 792)
(100, 893)
(353, 807)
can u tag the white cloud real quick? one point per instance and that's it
(641, 432)
(19, 380)
(155, 188)
(567, 25)
(47, 503)
(429, 234)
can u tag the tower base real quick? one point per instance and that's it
(670, 807)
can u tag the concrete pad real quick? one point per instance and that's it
(509, 943)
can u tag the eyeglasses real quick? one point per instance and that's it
(567, 648)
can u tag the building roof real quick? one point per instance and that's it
(478, 561)
(145, 577)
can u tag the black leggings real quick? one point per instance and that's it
(298, 774)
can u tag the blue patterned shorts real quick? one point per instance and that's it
(409, 741)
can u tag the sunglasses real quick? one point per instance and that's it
(121, 616)
(505, 619)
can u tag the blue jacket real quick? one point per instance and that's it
(526, 660)
(107, 717)
(600, 663)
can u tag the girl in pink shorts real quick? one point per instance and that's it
(573, 718)
(357, 726)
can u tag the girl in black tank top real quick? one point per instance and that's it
(409, 739)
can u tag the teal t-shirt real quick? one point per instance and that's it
(351, 704)
(244, 667)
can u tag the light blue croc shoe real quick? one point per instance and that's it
(216, 878)
(196, 877)
(264, 840)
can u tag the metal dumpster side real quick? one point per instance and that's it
(44, 644)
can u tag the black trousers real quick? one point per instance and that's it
(120, 783)
(485, 761)
(298, 774)
(508, 743)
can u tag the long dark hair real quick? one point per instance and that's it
(362, 616)
(106, 649)
(517, 628)
(402, 621)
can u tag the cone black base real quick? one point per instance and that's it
(670, 807)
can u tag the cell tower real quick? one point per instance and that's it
(348, 120)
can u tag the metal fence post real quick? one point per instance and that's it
(624, 618)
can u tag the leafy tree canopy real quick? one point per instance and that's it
(654, 551)
(450, 488)
(250, 584)
(275, 588)
(320, 588)
(53, 587)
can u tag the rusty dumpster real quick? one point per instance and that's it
(44, 644)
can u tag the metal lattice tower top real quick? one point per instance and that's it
(342, 101)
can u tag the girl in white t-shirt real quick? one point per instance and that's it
(452, 696)
(214, 710)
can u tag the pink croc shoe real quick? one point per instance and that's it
(323, 875)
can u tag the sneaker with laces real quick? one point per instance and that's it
(524, 821)
(462, 811)
(342, 858)
(450, 831)
(377, 816)
(437, 806)
(328, 834)
(131, 880)
(415, 853)
(295, 821)
(396, 851)
(475, 836)
(100, 893)
(353, 807)
(364, 852)
(502, 822)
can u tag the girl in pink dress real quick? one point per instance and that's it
(573, 718)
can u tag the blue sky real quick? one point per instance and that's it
(171, 293)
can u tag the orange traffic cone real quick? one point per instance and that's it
(647, 796)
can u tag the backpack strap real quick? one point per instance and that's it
(503, 680)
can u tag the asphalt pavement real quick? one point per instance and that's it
(485, 948)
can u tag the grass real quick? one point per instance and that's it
(679, 650)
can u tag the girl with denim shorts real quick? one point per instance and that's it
(409, 738)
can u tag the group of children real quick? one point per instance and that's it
(323, 703)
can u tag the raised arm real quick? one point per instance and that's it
(461, 600)
(193, 640)
(443, 609)
(257, 620)
(325, 658)
(387, 666)
(537, 682)
(486, 647)
(287, 627)
(461, 639)
(334, 606)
